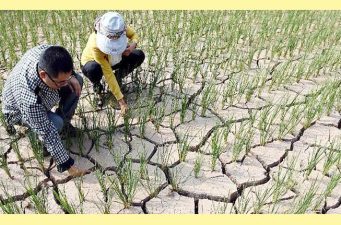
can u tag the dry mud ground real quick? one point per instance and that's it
(138, 169)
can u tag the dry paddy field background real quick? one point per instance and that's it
(231, 112)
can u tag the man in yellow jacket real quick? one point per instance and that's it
(108, 49)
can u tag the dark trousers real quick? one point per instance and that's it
(68, 101)
(93, 71)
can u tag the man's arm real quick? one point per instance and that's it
(35, 116)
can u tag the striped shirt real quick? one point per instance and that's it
(27, 99)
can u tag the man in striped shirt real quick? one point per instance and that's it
(44, 78)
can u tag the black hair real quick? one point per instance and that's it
(54, 60)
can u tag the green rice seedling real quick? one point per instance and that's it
(243, 139)
(67, 206)
(15, 148)
(229, 91)
(33, 28)
(37, 148)
(267, 118)
(183, 147)
(80, 137)
(287, 125)
(197, 165)
(163, 155)
(127, 125)
(4, 164)
(3, 37)
(142, 119)
(301, 70)
(80, 111)
(111, 114)
(283, 181)
(333, 157)
(221, 209)
(216, 148)
(95, 136)
(23, 41)
(11, 207)
(208, 98)
(296, 115)
(312, 110)
(329, 96)
(334, 181)
(226, 130)
(13, 58)
(111, 127)
(242, 86)
(184, 107)
(102, 183)
(283, 124)
(81, 195)
(314, 159)
(243, 204)
(175, 105)
(39, 200)
(143, 166)
(262, 197)
(180, 78)
(305, 202)
(176, 178)
(125, 184)
(250, 90)
(116, 155)
(321, 199)
(152, 183)
(280, 76)
(194, 109)
(105, 206)
(158, 115)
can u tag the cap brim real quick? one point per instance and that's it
(111, 47)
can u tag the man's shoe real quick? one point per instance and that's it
(10, 129)
(45, 152)
(98, 88)
(99, 98)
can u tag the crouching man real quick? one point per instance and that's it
(44, 78)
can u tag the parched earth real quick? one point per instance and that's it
(153, 168)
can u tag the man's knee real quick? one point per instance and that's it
(80, 79)
(140, 56)
(57, 120)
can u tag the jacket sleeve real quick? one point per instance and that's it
(108, 74)
(132, 35)
(35, 115)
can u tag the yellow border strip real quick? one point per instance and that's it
(170, 4)
(170, 219)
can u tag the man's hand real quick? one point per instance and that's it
(76, 172)
(75, 86)
(123, 106)
(129, 49)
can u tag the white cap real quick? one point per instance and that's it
(111, 35)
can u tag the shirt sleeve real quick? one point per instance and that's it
(108, 74)
(35, 115)
(132, 35)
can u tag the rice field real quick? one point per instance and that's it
(232, 112)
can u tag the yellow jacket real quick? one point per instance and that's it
(91, 52)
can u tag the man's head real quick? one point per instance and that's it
(55, 67)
